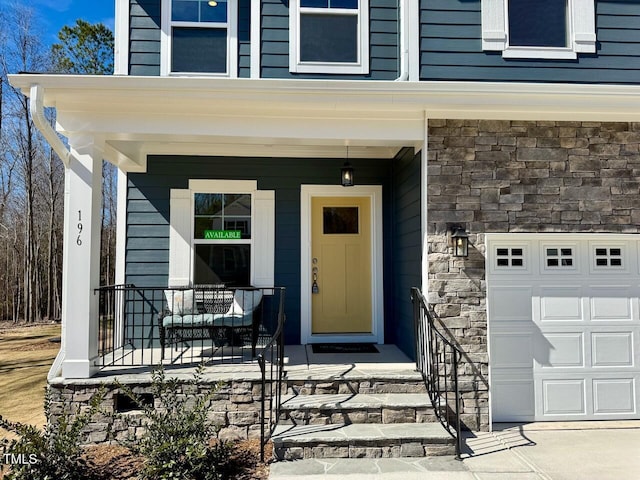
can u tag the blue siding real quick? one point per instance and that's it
(384, 63)
(144, 37)
(406, 248)
(147, 253)
(244, 38)
(451, 49)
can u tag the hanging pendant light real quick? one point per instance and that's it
(346, 173)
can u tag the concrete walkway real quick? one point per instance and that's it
(537, 451)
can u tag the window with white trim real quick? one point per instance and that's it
(552, 29)
(214, 228)
(199, 37)
(329, 36)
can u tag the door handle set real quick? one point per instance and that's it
(314, 286)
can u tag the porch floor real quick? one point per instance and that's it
(300, 364)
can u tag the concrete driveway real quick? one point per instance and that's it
(536, 451)
(557, 451)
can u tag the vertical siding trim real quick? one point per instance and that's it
(180, 238)
(121, 227)
(256, 25)
(121, 27)
(412, 26)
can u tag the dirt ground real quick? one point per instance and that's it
(26, 354)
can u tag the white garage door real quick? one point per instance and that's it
(564, 326)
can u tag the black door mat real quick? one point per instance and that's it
(344, 348)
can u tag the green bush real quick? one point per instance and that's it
(177, 442)
(53, 453)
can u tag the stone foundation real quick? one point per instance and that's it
(235, 407)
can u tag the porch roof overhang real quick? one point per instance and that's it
(136, 116)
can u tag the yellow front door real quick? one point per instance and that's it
(341, 265)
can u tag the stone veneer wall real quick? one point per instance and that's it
(517, 176)
(235, 407)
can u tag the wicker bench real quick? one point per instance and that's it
(219, 314)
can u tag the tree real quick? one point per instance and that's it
(31, 175)
(84, 49)
(87, 49)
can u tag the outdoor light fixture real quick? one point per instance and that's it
(213, 3)
(460, 240)
(347, 174)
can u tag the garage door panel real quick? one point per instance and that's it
(510, 304)
(514, 399)
(563, 350)
(611, 303)
(611, 396)
(512, 350)
(561, 304)
(610, 349)
(563, 397)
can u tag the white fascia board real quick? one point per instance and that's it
(297, 99)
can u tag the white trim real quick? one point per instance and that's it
(424, 215)
(581, 31)
(264, 229)
(223, 186)
(121, 226)
(413, 39)
(374, 192)
(181, 238)
(255, 36)
(121, 36)
(359, 67)
(232, 40)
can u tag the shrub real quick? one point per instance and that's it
(54, 452)
(177, 441)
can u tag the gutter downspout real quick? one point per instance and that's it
(404, 41)
(36, 108)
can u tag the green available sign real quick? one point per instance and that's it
(222, 235)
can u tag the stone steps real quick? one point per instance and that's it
(357, 408)
(295, 442)
(404, 382)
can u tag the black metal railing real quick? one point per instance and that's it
(146, 326)
(437, 359)
(271, 361)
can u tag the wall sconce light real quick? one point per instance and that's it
(460, 240)
(347, 175)
(213, 3)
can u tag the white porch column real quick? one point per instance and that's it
(424, 182)
(81, 262)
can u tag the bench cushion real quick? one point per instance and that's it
(207, 320)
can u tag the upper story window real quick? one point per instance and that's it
(329, 36)
(553, 29)
(199, 37)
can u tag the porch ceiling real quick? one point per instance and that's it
(137, 116)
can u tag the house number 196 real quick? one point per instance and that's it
(78, 240)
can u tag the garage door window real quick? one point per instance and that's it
(509, 257)
(608, 258)
(559, 257)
